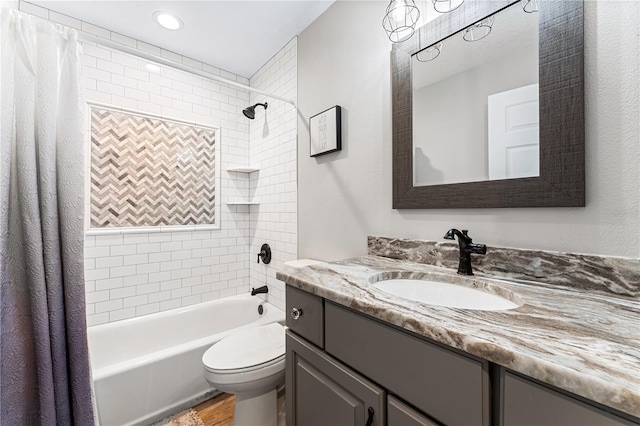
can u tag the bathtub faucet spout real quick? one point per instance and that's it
(263, 289)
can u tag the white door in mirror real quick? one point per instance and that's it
(514, 147)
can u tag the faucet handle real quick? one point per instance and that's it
(462, 235)
(265, 254)
(450, 235)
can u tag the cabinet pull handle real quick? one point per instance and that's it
(370, 418)
(296, 313)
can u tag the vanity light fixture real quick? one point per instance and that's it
(479, 30)
(430, 53)
(400, 20)
(446, 6)
(167, 20)
(530, 6)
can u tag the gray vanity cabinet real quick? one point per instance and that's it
(323, 392)
(341, 363)
(364, 360)
(526, 403)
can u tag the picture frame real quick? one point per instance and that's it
(325, 130)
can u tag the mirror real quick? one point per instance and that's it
(497, 122)
(477, 102)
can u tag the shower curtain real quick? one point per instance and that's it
(44, 371)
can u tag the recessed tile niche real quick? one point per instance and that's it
(149, 171)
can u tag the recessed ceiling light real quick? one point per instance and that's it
(168, 20)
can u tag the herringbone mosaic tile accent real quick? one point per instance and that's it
(150, 172)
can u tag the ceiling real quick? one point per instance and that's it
(234, 35)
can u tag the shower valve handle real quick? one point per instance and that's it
(265, 254)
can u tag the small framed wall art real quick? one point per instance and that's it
(326, 132)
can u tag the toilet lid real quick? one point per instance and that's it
(247, 348)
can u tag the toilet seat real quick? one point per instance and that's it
(248, 350)
(264, 365)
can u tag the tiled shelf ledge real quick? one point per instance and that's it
(243, 203)
(243, 169)
(149, 229)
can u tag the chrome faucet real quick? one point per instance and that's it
(467, 246)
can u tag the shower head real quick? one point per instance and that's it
(250, 112)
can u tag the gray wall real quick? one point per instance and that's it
(343, 59)
(451, 119)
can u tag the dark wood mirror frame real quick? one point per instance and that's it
(562, 146)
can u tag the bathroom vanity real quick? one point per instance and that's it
(356, 355)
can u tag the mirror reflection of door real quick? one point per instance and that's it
(450, 104)
(514, 138)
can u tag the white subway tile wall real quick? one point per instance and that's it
(275, 220)
(137, 274)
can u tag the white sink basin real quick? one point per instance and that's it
(444, 294)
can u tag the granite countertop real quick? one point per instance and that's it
(584, 342)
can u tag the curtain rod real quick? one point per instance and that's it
(162, 61)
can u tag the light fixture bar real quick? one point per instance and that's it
(166, 62)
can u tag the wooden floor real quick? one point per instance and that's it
(217, 411)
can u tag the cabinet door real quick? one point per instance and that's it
(321, 391)
(526, 403)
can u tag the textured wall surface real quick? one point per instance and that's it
(344, 197)
(150, 172)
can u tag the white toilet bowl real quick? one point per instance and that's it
(249, 364)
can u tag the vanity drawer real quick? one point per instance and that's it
(400, 414)
(526, 403)
(449, 387)
(305, 315)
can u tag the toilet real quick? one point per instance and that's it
(249, 364)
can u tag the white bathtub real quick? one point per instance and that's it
(145, 368)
